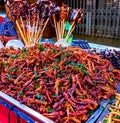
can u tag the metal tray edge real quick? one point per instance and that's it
(25, 108)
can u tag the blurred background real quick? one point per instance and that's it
(100, 24)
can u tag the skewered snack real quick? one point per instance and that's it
(34, 18)
(28, 21)
(18, 8)
(63, 84)
(75, 18)
(114, 115)
(62, 16)
(64, 12)
(33, 12)
(44, 9)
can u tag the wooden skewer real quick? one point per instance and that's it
(23, 27)
(39, 30)
(57, 30)
(69, 30)
(64, 23)
(55, 24)
(38, 34)
(39, 37)
(110, 118)
(116, 120)
(45, 25)
(118, 94)
(21, 32)
(115, 107)
(115, 113)
(33, 29)
(36, 27)
(33, 32)
(61, 28)
(57, 27)
(27, 32)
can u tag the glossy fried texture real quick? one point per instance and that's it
(63, 84)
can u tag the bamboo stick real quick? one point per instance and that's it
(38, 34)
(35, 34)
(23, 28)
(21, 32)
(33, 31)
(27, 33)
(59, 29)
(55, 24)
(63, 30)
(45, 25)
(29, 30)
(42, 30)
(39, 30)
(69, 31)
(62, 26)
(36, 27)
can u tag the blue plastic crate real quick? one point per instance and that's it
(47, 40)
(81, 43)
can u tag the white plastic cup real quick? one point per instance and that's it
(1, 45)
(62, 43)
(15, 43)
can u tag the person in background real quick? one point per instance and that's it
(7, 27)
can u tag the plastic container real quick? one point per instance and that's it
(81, 43)
(1, 45)
(15, 43)
(62, 43)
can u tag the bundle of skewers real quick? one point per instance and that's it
(114, 115)
(65, 15)
(31, 20)
(31, 33)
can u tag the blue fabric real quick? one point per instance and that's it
(7, 28)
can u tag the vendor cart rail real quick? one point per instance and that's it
(14, 105)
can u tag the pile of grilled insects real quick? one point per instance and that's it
(63, 84)
(112, 55)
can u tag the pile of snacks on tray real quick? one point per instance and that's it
(112, 55)
(63, 84)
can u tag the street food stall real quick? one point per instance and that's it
(66, 80)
